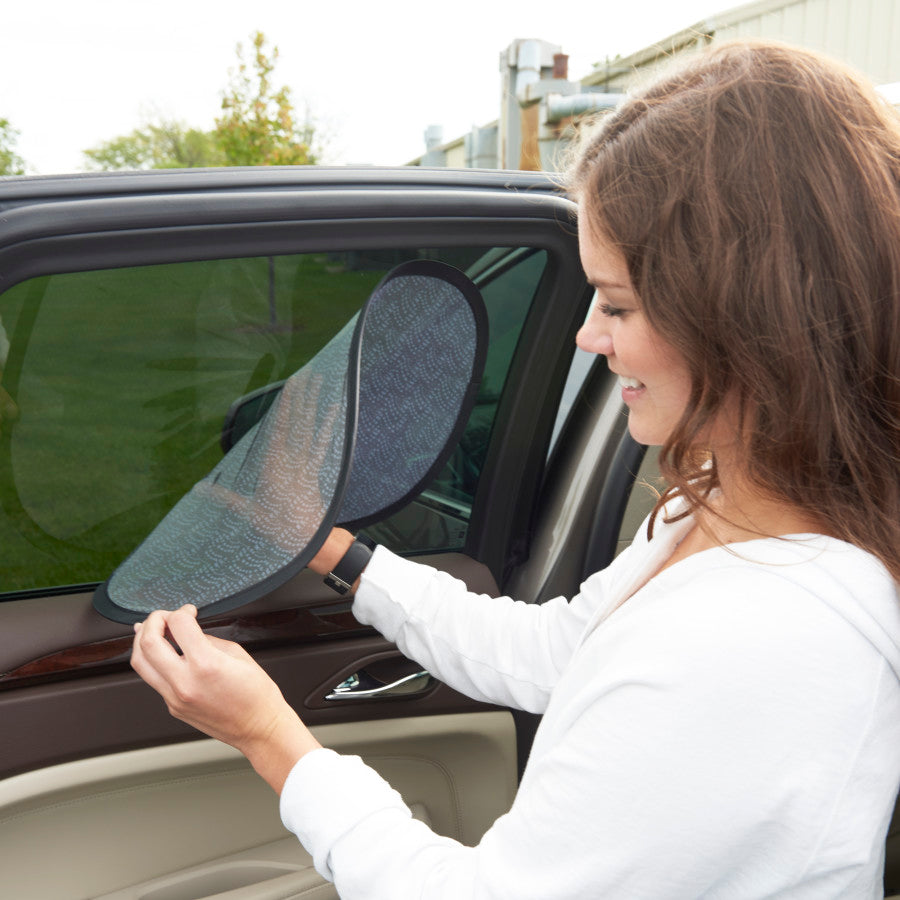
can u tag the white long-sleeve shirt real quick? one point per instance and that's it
(731, 730)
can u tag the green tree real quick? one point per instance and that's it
(257, 126)
(163, 144)
(10, 162)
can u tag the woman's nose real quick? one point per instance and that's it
(594, 338)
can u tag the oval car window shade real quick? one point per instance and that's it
(352, 436)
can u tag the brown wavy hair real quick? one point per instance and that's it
(755, 195)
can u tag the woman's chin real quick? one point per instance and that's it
(645, 434)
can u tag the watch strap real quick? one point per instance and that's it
(345, 573)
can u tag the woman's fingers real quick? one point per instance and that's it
(152, 656)
(186, 632)
(186, 680)
(153, 652)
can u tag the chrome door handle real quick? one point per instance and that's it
(363, 686)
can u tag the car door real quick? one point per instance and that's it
(134, 310)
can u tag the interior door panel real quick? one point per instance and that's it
(185, 817)
(194, 820)
(80, 698)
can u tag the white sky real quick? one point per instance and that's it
(74, 73)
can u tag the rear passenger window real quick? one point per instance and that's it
(114, 386)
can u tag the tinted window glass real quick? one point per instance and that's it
(115, 385)
(439, 518)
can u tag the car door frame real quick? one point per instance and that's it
(75, 670)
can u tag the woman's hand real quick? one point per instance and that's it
(218, 688)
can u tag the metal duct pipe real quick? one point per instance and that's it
(434, 136)
(561, 107)
(481, 148)
(528, 65)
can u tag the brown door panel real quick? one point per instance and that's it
(67, 691)
(52, 723)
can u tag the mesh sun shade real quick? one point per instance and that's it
(352, 436)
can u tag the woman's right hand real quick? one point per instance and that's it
(218, 688)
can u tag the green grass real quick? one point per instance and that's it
(122, 381)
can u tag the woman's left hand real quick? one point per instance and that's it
(218, 688)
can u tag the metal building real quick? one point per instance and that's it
(863, 33)
(539, 105)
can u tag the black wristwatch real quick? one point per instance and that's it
(345, 573)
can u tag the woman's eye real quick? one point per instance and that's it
(611, 311)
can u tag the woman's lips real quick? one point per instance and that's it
(631, 387)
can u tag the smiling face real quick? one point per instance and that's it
(654, 377)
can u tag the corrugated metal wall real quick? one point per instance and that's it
(863, 33)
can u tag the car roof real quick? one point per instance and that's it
(25, 190)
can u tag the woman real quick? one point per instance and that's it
(721, 706)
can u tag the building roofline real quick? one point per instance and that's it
(705, 28)
(448, 145)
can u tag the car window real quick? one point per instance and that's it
(115, 384)
(438, 519)
(579, 369)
